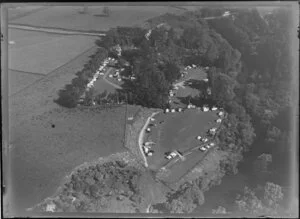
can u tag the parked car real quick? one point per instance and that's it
(207, 146)
(212, 144)
(171, 155)
(150, 153)
(202, 148)
(204, 139)
(205, 109)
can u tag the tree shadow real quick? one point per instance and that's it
(196, 84)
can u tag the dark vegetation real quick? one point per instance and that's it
(69, 96)
(252, 82)
(95, 186)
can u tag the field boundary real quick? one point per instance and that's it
(53, 71)
(56, 30)
(27, 72)
(28, 13)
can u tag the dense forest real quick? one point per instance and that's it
(250, 77)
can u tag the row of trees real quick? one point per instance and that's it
(69, 96)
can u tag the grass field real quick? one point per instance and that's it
(68, 17)
(178, 132)
(19, 80)
(24, 107)
(42, 53)
(18, 12)
(42, 155)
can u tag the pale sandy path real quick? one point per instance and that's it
(141, 137)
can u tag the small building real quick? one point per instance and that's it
(148, 129)
(214, 108)
(219, 120)
(179, 109)
(199, 137)
(167, 110)
(130, 118)
(205, 79)
(173, 111)
(152, 119)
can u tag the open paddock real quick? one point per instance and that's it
(69, 17)
(41, 52)
(19, 80)
(21, 11)
(51, 144)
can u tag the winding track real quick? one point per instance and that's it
(107, 81)
(141, 137)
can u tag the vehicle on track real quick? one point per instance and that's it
(171, 155)
(203, 148)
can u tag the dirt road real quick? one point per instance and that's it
(141, 137)
(53, 30)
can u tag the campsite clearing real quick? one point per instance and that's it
(177, 132)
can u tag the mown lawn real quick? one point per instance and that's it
(178, 132)
(30, 167)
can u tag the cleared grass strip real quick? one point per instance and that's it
(54, 71)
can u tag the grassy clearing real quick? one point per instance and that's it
(38, 98)
(178, 132)
(101, 86)
(41, 53)
(68, 17)
(19, 80)
(42, 154)
(24, 107)
(195, 76)
(18, 12)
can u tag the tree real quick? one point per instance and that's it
(219, 210)
(106, 11)
(68, 97)
(273, 134)
(223, 88)
(268, 204)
